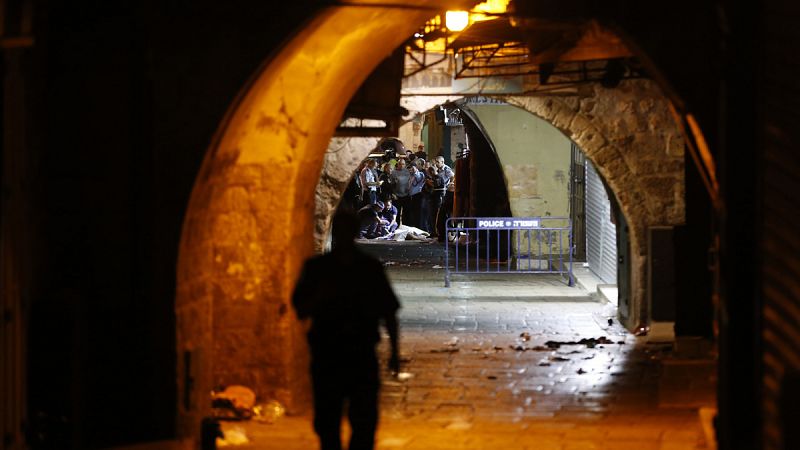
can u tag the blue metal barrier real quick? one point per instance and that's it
(509, 245)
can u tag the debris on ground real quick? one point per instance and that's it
(581, 371)
(610, 322)
(525, 336)
(404, 376)
(233, 437)
(437, 267)
(492, 377)
(445, 350)
(589, 342)
(233, 402)
(268, 412)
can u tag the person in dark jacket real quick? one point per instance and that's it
(343, 333)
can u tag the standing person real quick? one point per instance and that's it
(352, 194)
(369, 183)
(343, 333)
(416, 184)
(387, 183)
(427, 198)
(448, 173)
(402, 186)
(421, 152)
(445, 176)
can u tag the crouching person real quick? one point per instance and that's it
(369, 220)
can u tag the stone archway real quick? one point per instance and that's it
(249, 224)
(628, 133)
(342, 157)
(249, 227)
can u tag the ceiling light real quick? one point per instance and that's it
(456, 20)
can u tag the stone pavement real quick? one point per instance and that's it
(505, 368)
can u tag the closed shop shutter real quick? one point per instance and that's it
(601, 234)
(779, 239)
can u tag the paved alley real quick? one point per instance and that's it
(517, 363)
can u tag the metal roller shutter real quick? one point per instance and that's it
(779, 241)
(601, 234)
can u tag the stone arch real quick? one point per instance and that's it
(640, 159)
(631, 136)
(248, 227)
(249, 223)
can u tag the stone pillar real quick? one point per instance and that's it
(250, 221)
(341, 160)
(631, 137)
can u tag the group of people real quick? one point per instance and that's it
(409, 190)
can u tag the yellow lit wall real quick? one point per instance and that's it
(535, 157)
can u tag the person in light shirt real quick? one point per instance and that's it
(369, 183)
(402, 189)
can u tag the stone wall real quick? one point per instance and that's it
(535, 157)
(341, 159)
(249, 225)
(629, 134)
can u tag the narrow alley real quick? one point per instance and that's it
(517, 363)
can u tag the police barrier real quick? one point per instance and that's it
(508, 245)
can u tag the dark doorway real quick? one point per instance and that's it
(577, 201)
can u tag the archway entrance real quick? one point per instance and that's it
(248, 229)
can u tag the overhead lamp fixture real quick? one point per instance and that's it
(456, 20)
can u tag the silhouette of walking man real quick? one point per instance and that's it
(345, 293)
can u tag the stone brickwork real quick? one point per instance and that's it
(235, 318)
(341, 159)
(250, 221)
(628, 133)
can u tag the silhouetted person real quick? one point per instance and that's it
(345, 293)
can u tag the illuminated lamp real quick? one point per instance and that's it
(456, 20)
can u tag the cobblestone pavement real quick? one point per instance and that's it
(498, 372)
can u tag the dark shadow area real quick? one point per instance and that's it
(122, 100)
(485, 187)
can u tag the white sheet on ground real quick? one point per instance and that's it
(404, 232)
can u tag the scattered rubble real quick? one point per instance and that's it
(589, 342)
(269, 412)
(404, 376)
(233, 402)
(233, 437)
(445, 350)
